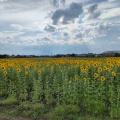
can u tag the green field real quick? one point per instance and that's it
(60, 89)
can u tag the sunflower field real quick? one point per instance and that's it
(87, 86)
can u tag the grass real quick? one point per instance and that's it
(13, 112)
(8, 101)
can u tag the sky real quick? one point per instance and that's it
(50, 27)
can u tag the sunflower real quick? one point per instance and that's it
(99, 69)
(108, 62)
(83, 70)
(113, 74)
(105, 68)
(26, 73)
(95, 64)
(3, 67)
(88, 78)
(5, 72)
(26, 66)
(102, 78)
(108, 69)
(76, 76)
(95, 75)
(84, 79)
(39, 71)
(18, 70)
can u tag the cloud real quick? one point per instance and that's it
(57, 3)
(3, 0)
(109, 5)
(92, 13)
(63, 2)
(103, 27)
(23, 5)
(10, 34)
(78, 35)
(92, 30)
(92, 8)
(110, 13)
(66, 15)
(19, 27)
(65, 34)
(50, 28)
(38, 23)
(112, 0)
(46, 39)
(9, 37)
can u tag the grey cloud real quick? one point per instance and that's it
(92, 8)
(23, 1)
(95, 15)
(98, 30)
(65, 34)
(50, 28)
(8, 38)
(46, 39)
(93, 12)
(69, 14)
(92, 30)
(63, 1)
(55, 2)
(56, 34)
(78, 35)
(102, 28)
(57, 15)
(18, 5)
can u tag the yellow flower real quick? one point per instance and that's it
(108, 62)
(95, 65)
(108, 69)
(83, 70)
(3, 68)
(95, 75)
(102, 78)
(42, 68)
(76, 76)
(75, 66)
(26, 66)
(81, 67)
(18, 70)
(105, 68)
(113, 74)
(117, 65)
(39, 71)
(99, 69)
(88, 78)
(84, 79)
(5, 72)
(26, 73)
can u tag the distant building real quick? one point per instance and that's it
(98, 55)
(90, 55)
(81, 55)
(110, 53)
